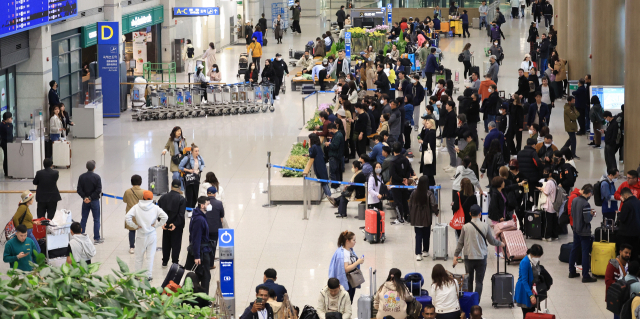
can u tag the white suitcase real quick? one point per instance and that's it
(61, 154)
(483, 202)
(440, 235)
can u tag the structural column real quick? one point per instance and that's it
(560, 24)
(607, 67)
(578, 45)
(113, 12)
(632, 86)
(168, 30)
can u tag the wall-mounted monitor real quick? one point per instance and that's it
(21, 15)
(611, 96)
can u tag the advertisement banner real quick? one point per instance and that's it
(109, 67)
(139, 49)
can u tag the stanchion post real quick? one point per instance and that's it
(101, 214)
(268, 191)
(317, 99)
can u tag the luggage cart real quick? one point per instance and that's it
(218, 100)
(266, 96)
(242, 98)
(235, 102)
(251, 98)
(57, 241)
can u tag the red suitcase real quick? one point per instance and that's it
(374, 226)
(516, 247)
(538, 315)
(39, 231)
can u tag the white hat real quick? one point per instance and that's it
(438, 103)
(200, 67)
(341, 112)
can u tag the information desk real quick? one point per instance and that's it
(88, 121)
(24, 158)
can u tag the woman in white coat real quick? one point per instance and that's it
(210, 55)
(374, 184)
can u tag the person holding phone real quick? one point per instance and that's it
(20, 249)
(259, 309)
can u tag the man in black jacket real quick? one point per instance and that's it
(400, 171)
(543, 50)
(280, 67)
(6, 136)
(340, 14)
(47, 193)
(516, 120)
(215, 216)
(530, 164)
(90, 189)
(54, 99)
(490, 105)
(259, 309)
(523, 85)
(611, 142)
(629, 223)
(582, 105)
(547, 10)
(382, 83)
(361, 125)
(174, 205)
(335, 152)
(343, 200)
(418, 96)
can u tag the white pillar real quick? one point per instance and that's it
(168, 30)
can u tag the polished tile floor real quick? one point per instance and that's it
(235, 148)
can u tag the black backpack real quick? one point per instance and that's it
(461, 57)
(626, 312)
(190, 53)
(309, 312)
(618, 294)
(597, 194)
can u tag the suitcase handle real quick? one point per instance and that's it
(163, 159)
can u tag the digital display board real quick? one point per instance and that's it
(611, 97)
(196, 11)
(20, 15)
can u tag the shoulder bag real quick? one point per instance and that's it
(427, 156)
(479, 232)
(191, 178)
(458, 217)
(355, 277)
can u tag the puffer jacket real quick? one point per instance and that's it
(388, 304)
(530, 164)
(420, 215)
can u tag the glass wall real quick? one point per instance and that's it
(8, 95)
(67, 68)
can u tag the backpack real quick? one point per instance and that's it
(461, 57)
(10, 228)
(190, 53)
(597, 194)
(625, 310)
(309, 312)
(561, 198)
(620, 122)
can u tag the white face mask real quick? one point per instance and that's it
(535, 260)
(490, 90)
(378, 170)
(209, 207)
(353, 170)
(530, 132)
(413, 81)
(215, 69)
(371, 107)
(278, 59)
(496, 43)
(547, 145)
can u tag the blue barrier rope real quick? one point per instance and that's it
(360, 184)
(326, 91)
(287, 168)
(120, 198)
(392, 89)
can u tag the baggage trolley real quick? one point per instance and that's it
(217, 100)
(242, 98)
(251, 98)
(267, 96)
(57, 241)
(226, 100)
(235, 104)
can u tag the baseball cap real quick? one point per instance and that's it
(475, 210)
(146, 195)
(212, 190)
(175, 183)
(278, 54)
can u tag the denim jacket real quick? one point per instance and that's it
(183, 163)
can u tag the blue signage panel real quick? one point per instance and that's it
(347, 44)
(109, 67)
(389, 18)
(20, 15)
(226, 237)
(196, 11)
(389, 7)
(226, 278)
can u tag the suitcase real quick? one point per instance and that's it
(516, 247)
(502, 286)
(468, 300)
(415, 282)
(606, 232)
(444, 27)
(601, 253)
(264, 42)
(39, 231)
(483, 202)
(362, 207)
(61, 154)
(159, 179)
(532, 224)
(174, 274)
(540, 315)
(447, 74)
(565, 251)
(475, 23)
(440, 240)
(501, 227)
(424, 300)
(374, 226)
(308, 88)
(298, 54)
(365, 302)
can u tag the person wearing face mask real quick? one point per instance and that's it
(215, 216)
(418, 93)
(628, 227)
(582, 215)
(215, 75)
(546, 145)
(538, 112)
(422, 205)
(550, 219)
(296, 9)
(174, 204)
(607, 191)
(428, 142)
(376, 193)
(251, 75)
(496, 50)
(199, 256)
(383, 84)
(490, 107)
(524, 296)
(306, 62)
(432, 67)
(484, 88)
(280, 68)
(255, 49)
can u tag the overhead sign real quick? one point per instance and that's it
(20, 15)
(196, 11)
(109, 66)
(347, 44)
(389, 7)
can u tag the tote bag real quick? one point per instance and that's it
(427, 156)
(458, 218)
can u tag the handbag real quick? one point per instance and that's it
(458, 218)
(355, 278)
(191, 178)
(427, 156)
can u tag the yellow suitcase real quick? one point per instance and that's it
(601, 253)
(456, 27)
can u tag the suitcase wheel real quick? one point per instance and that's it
(446, 257)
(272, 109)
(510, 305)
(494, 305)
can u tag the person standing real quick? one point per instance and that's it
(335, 151)
(262, 22)
(582, 215)
(400, 173)
(361, 123)
(607, 194)
(54, 99)
(422, 205)
(444, 293)
(278, 28)
(148, 217)
(6, 136)
(281, 69)
(612, 140)
(483, 10)
(188, 57)
(571, 116)
(192, 166)
(24, 217)
(131, 197)
(547, 10)
(596, 114)
(494, 69)
(418, 94)
(473, 245)
(629, 223)
(524, 296)
(210, 55)
(449, 133)
(467, 60)
(90, 189)
(56, 128)
(465, 24)
(20, 250)
(175, 146)
(296, 17)
(341, 16)
(47, 193)
(428, 142)
(549, 186)
(344, 261)
(199, 256)
(430, 68)
(215, 216)
(174, 205)
(248, 31)
(255, 49)
(582, 106)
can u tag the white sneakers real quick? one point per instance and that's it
(425, 254)
(189, 213)
(132, 251)
(418, 257)
(448, 168)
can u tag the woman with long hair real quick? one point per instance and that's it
(210, 54)
(375, 190)
(596, 115)
(467, 198)
(278, 29)
(251, 75)
(191, 166)
(534, 82)
(211, 180)
(352, 94)
(467, 59)
(319, 167)
(175, 145)
(498, 205)
(56, 129)
(372, 75)
(66, 120)
(215, 75)
(392, 297)
(422, 204)
(529, 267)
(428, 142)
(344, 261)
(268, 73)
(444, 294)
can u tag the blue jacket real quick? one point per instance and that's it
(258, 36)
(198, 232)
(493, 134)
(408, 113)
(376, 152)
(336, 267)
(524, 284)
(432, 64)
(582, 98)
(436, 22)
(183, 163)
(607, 189)
(319, 167)
(279, 289)
(543, 115)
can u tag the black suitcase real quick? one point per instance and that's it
(502, 286)
(298, 54)
(565, 251)
(447, 74)
(606, 232)
(264, 42)
(308, 88)
(533, 224)
(175, 274)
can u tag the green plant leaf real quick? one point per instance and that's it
(45, 272)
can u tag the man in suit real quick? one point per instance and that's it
(54, 99)
(47, 193)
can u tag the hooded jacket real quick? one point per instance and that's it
(81, 247)
(344, 303)
(462, 173)
(575, 193)
(581, 212)
(388, 303)
(146, 214)
(635, 189)
(465, 103)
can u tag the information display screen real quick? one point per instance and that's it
(20, 15)
(611, 97)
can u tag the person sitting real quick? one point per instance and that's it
(351, 192)
(20, 250)
(396, 306)
(617, 267)
(80, 246)
(334, 298)
(259, 309)
(269, 278)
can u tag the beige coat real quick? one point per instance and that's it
(171, 150)
(384, 126)
(399, 309)
(372, 76)
(210, 55)
(344, 303)
(131, 197)
(215, 76)
(560, 66)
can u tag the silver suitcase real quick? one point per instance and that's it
(365, 302)
(440, 235)
(159, 178)
(475, 23)
(483, 202)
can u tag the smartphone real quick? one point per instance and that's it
(259, 300)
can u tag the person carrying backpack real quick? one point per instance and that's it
(607, 190)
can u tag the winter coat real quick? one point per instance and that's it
(420, 215)
(530, 164)
(383, 83)
(148, 217)
(571, 115)
(629, 218)
(543, 114)
(450, 125)
(383, 297)
(596, 114)
(428, 138)
(344, 303)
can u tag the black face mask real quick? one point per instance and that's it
(545, 176)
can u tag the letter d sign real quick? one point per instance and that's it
(104, 36)
(108, 32)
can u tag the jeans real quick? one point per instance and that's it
(94, 207)
(400, 198)
(171, 245)
(325, 189)
(176, 175)
(483, 21)
(610, 156)
(584, 243)
(423, 235)
(47, 208)
(146, 246)
(490, 118)
(465, 30)
(452, 151)
(54, 137)
(543, 65)
(30, 235)
(132, 239)
(547, 20)
(572, 142)
(476, 268)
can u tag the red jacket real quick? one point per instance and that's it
(635, 189)
(613, 272)
(575, 193)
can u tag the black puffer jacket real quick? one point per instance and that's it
(450, 125)
(530, 165)
(465, 103)
(497, 206)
